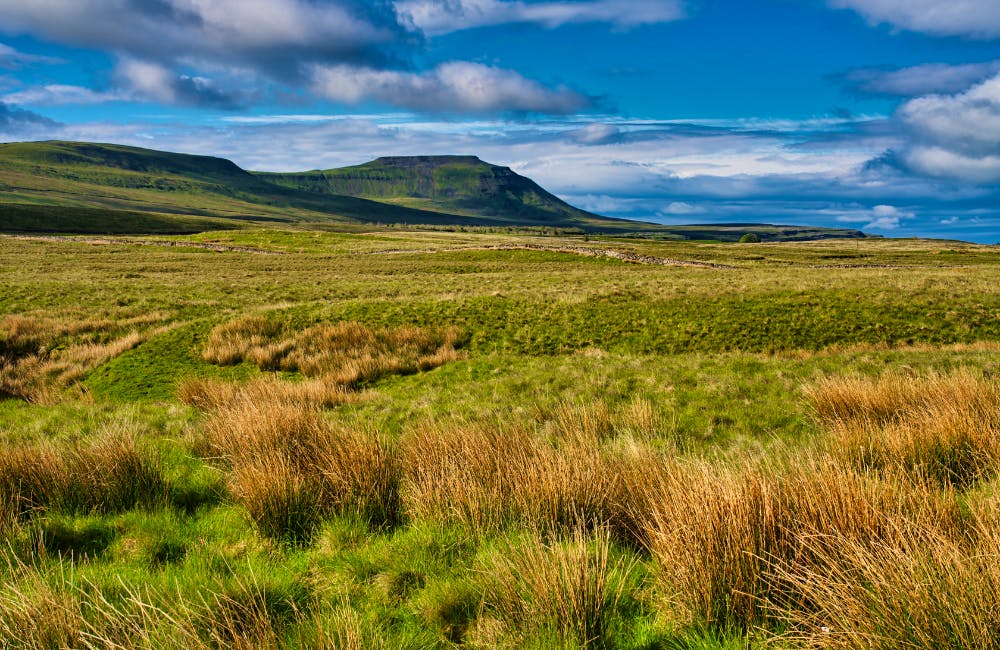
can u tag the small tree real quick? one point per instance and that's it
(750, 238)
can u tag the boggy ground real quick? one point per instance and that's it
(417, 440)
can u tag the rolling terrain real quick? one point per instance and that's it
(99, 188)
(286, 438)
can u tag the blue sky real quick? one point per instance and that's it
(875, 114)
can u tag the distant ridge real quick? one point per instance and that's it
(462, 185)
(84, 187)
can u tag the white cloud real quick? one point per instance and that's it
(925, 79)
(973, 18)
(154, 82)
(880, 217)
(682, 208)
(956, 136)
(13, 59)
(59, 94)
(451, 87)
(442, 16)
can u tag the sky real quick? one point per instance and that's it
(882, 115)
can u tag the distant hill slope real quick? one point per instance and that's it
(91, 188)
(450, 184)
(117, 177)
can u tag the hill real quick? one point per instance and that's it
(462, 185)
(103, 188)
(121, 178)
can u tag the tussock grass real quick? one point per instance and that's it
(942, 426)
(290, 469)
(40, 376)
(494, 476)
(36, 616)
(722, 535)
(213, 395)
(923, 590)
(113, 473)
(41, 356)
(346, 353)
(60, 609)
(569, 587)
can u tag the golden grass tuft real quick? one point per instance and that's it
(41, 356)
(568, 587)
(212, 394)
(494, 476)
(924, 589)
(944, 427)
(290, 469)
(112, 473)
(723, 536)
(346, 353)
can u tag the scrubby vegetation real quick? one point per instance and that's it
(412, 440)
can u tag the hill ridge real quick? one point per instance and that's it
(64, 186)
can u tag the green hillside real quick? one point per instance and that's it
(129, 178)
(103, 188)
(451, 184)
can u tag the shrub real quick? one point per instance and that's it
(750, 238)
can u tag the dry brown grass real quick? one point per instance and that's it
(115, 472)
(491, 476)
(212, 395)
(290, 468)
(567, 587)
(943, 426)
(41, 375)
(345, 353)
(924, 589)
(36, 616)
(723, 534)
(59, 609)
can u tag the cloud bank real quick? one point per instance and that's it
(229, 54)
(927, 79)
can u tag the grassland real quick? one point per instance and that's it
(443, 439)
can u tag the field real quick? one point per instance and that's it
(395, 439)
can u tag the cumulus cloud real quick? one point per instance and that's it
(451, 87)
(956, 136)
(887, 217)
(971, 18)
(228, 53)
(926, 79)
(157, 83)
(442, 16)
(271, 35)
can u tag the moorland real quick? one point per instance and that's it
(291, 434)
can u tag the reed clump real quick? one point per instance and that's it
(114, 472)
(945, 427)
(291, 469)
(569, 587)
